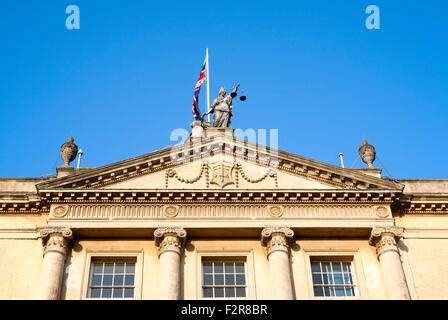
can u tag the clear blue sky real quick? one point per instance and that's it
(310, 69)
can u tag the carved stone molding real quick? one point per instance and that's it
(385, 239)
(170, 239)
(276, 239)
(56, 239)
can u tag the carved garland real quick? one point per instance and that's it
(270, 172)
(170, 173)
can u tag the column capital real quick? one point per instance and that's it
(170, 239)
(56, 239)
(385, 239)
(276, 238)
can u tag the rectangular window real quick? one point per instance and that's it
(112, 278)
(224, 278)
(333, 278)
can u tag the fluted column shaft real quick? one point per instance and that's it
(170, 243)
(56, 242)
(277, 240)
(385, 240)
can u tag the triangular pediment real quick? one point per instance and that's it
(219, 163)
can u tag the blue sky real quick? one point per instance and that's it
(310, 69)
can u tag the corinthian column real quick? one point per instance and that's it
(56, 241)
(385, 240)
(170, 242)
(277, 241)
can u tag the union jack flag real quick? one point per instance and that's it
(197, 88)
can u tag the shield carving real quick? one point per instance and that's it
(222, 174)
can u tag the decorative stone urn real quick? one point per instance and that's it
(367, 153)
(69, 150)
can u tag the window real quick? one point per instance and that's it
(112, 278)
(333, 277)
(224, 279)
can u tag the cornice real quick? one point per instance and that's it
(220, 196)
(243, 150)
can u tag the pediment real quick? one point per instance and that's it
(219, 164)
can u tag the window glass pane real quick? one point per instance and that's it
(96, 280)
(326, 278)
(207, 280)
(118, 280)
(240, 292)
(219, 292)
(229, 267)
(337, 267)
(107, 280)
(240, 279)
(346, 266)
(207, 292)
(315, 267)
(338, 278)
(348, 278)
(95, 293)
(118, 293)
(239, 267)
(97, 268)
(327, 291)
(107, 293)
(317, 278)
(230, 279)
(340, 292)
(129, 280)
(129, 293)
(349, 291)
(318, 291)
(218, 267)
(207, 267)
(219, 279)
(230, 292)
(130, 268)
(119, 268)
(326, 267)
(108, 268)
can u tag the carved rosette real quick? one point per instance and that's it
(385, 239)
(56, 239)
(170, 239)
(276, 239)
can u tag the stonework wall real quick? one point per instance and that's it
(20, 268)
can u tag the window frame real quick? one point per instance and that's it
(115, 256)
(229, 255)
(352, 255)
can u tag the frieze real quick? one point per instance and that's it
(219, 211)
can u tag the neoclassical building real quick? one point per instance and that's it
(222, 218)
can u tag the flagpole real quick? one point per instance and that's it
(208, 87)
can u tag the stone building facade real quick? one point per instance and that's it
(222, 218)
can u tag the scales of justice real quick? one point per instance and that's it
(222, 108)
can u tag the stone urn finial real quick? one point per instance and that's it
(69, 150)
(367, 153)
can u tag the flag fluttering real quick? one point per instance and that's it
(197, 88)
